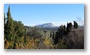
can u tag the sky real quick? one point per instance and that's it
(35, 14)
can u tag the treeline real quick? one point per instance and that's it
(58, 37)
(13, 31)
(17, 36)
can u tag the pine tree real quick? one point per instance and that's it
(75, 24)
(10, 28)
(53, 35)
(59, 34)
(4, 25)
(4, 19)
(50, 33)
(4, 22)
(69, 26)
(13, 30)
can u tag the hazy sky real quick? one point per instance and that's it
(34, 14)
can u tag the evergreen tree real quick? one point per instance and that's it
(64, 29)
(75, 24)
(59, 34)
(4, 22)
(53, 35)
(4, 19)
(13, 30)
(9, 29)
(50, 33)
(69, 26)
(4, 25)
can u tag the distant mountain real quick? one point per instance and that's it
(49, 27)
(46, 25)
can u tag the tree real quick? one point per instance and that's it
(65, 31)
(9, 26)
(53, 35)
(13, 30)
(4, 23)
(69, 26)
(59, 34)
(4, 19)
(75, 24)
(19, 28)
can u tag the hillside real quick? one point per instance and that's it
(75, 39)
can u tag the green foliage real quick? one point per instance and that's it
(4, 19)
(9, 30)
(17, 36)
(61, 44)
(12, 29)
(19, 28)
(75, 24)
(51, 34)
(4, 23)
(35, 32)
(60, 32)
(69, 26)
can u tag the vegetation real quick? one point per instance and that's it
(75, 24)
(18, 36)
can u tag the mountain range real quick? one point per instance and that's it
(50, 26)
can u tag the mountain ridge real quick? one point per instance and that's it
(46, 25)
